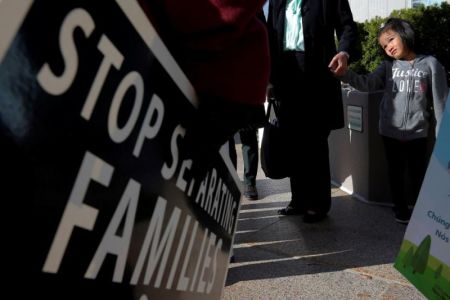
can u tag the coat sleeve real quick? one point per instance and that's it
(273, 49)
(346, 30)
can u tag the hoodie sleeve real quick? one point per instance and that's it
(371, 82)
(439, 89)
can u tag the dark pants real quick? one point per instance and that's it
(306, 130)
(310, 184)
(249, 140)
(232, 151)
(407, 162)
(215, 123)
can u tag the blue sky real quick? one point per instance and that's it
(429, 2)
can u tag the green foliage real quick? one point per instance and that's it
(438, 272)
(407, 260)
(431, 24)
(420, 259)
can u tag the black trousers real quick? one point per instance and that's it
(216, 121)
(302, 123)
(311, 180)
(249, 141)
(407, 163)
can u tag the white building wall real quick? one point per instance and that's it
(367, 9)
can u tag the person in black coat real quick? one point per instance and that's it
(305, 58)
(249, 141)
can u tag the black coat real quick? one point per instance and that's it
(321, 20)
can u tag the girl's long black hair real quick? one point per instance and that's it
(404, 29)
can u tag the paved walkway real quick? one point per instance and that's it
(350, 255)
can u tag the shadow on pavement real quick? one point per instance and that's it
(355, 234)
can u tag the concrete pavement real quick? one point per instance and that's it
(349, 255)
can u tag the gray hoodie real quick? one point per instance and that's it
(409, 92)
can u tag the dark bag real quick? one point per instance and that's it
(257, 118)
(274, 160)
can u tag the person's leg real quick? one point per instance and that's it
(311, 184)
(296, 206)
(215, 123)
(310, 181)
(249, 140)
(396, 164)
(291, 95)
(232, 151)
(317, 178)
(417, 164)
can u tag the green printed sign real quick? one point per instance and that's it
(424, 257)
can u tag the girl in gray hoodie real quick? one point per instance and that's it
(415, 87)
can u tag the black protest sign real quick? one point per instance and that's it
(93, 110)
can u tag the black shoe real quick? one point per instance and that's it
(313, 217)
(250, 192)
(291, 211)
(403, 216)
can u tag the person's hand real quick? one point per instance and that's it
(339, 64)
